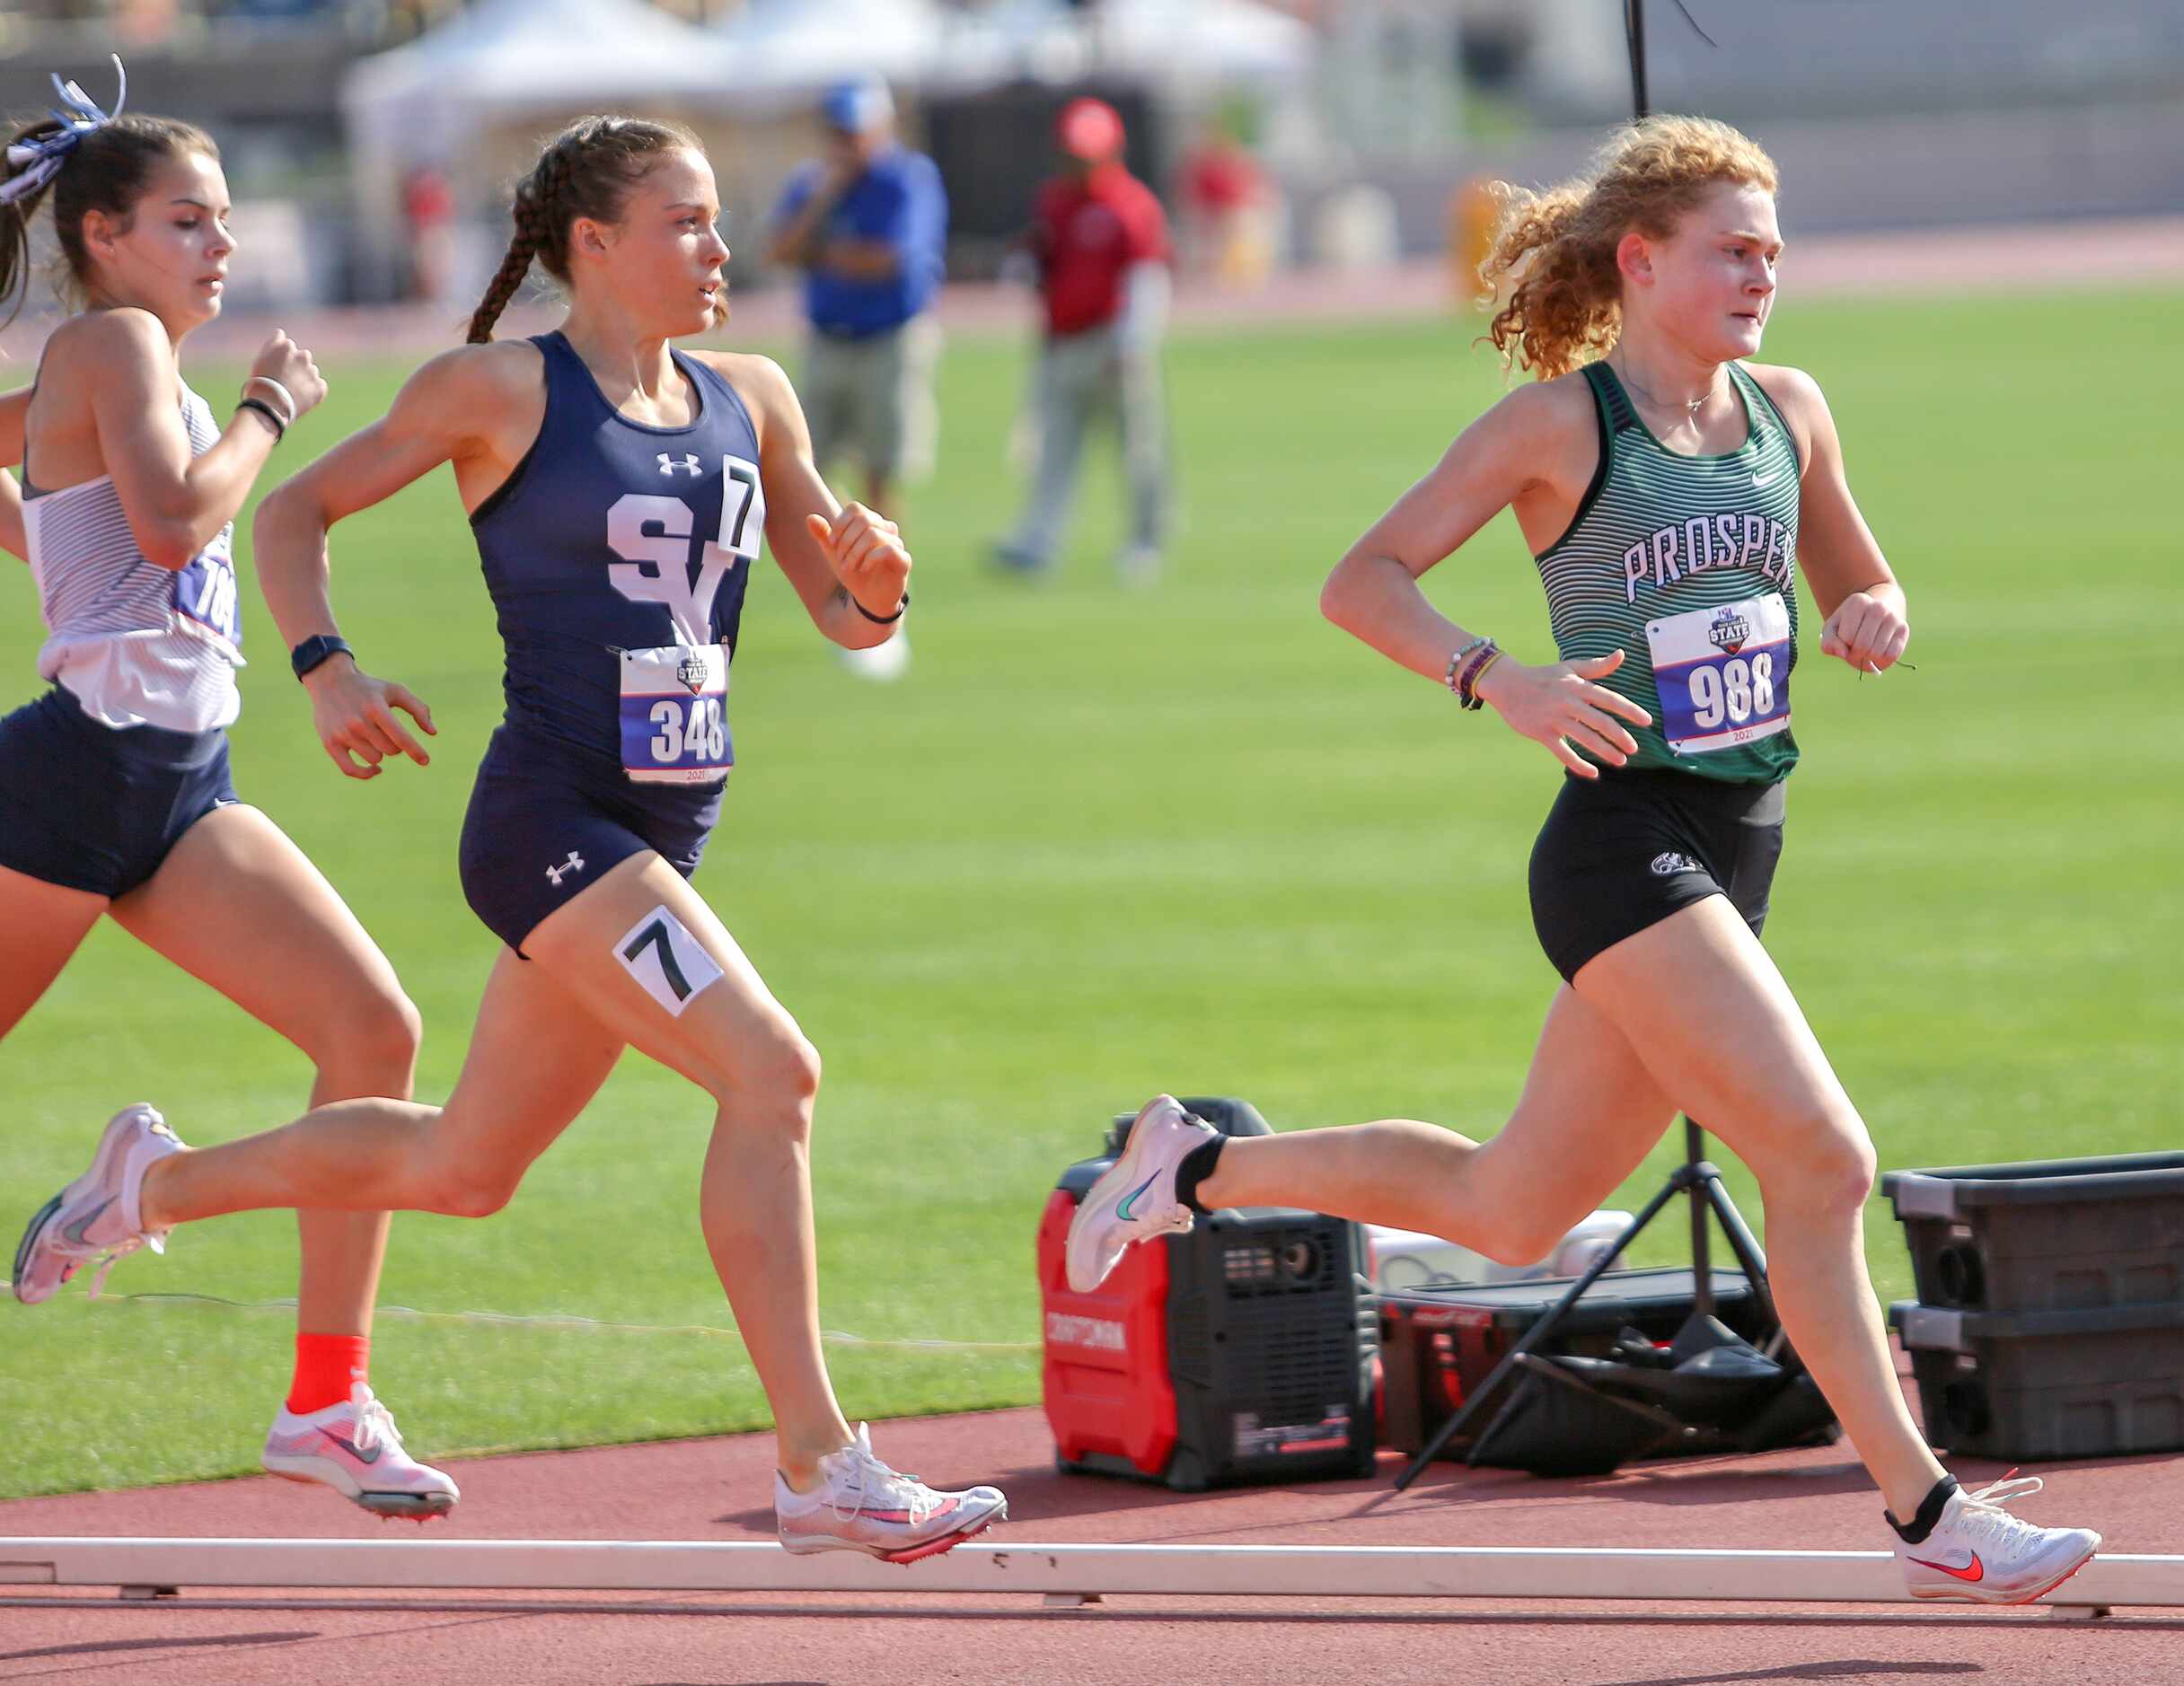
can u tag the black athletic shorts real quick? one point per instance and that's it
(547, 819)
(90, 806)
(1628, 849)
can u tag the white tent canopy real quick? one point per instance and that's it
(796, 47)
(1168, 40)
(501, 57)
(497, 61)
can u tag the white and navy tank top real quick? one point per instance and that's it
(136, 644)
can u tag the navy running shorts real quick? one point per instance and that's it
(1628, 849)
(95, 807)
(548, 819)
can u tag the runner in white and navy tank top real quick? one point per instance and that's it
(101, 776)
(617, 555)
(115, 797)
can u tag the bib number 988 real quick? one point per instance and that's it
(1733, 693)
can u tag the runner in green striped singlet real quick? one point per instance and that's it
(1663, 533)
(1669, 489)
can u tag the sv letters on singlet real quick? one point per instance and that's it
(652, 535)
(675, 697)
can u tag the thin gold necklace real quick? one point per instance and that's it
(1690, 409)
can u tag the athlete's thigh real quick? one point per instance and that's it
(537, 1057)
(1590, 1113)
(41, 925)
(237, 904)
(654, 965)
(1707, 1010)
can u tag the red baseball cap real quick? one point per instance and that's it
(1090, 130)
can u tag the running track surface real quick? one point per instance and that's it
(720, 1489)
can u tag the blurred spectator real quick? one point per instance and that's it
(867, 224)
(428, 206)
(1228, 206)
(1100, 240)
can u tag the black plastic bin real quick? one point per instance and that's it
(2047, 1384)
(2048, 1235)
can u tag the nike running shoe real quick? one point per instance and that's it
(1134, 1198)
(1980, 1552)
(354, 1447)
(96, 1218)
(860, 1505)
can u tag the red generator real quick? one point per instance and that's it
(1242, 1351)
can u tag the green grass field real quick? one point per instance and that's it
(1102, 843)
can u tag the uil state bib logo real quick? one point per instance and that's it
(1729, 630)
(691, 673)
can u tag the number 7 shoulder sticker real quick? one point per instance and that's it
(659, 952)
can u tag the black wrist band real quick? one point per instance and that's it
(280, 427)
(315, 649)
(880, 620)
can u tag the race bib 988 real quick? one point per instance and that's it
(1722, 673)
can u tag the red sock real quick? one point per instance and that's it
(326, 1367)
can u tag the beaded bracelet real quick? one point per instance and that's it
(1456, 661)
(1467, 678)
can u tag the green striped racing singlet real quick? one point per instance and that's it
(1690, 561)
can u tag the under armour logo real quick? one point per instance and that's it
(574, 863)
(669, 465)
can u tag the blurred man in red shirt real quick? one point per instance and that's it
(1101, 241)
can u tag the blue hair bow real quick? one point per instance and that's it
(38, 161)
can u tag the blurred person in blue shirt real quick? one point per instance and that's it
(867, 222)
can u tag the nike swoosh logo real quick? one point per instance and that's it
(351, 1448)
(1123, 1210)
(1769, 480)
(74, 1232)
(903, 1516)
(1975, 1571)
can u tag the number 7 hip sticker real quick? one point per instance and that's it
(659, 952)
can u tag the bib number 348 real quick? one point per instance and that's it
(675, 714)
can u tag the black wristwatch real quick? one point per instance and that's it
(315, 649)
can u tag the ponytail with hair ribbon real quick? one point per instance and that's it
(39, 160)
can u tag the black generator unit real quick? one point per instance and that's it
(1240, 1352)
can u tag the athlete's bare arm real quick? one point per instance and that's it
(468, 407)
(1868, 620)
(108, 402)
(1537, 451)
(836, 556)
(12, 406)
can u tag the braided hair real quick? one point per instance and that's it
(586, 170)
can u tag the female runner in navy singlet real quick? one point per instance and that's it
(617, 491)
(115, 797)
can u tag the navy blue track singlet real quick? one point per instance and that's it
(612, 535)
